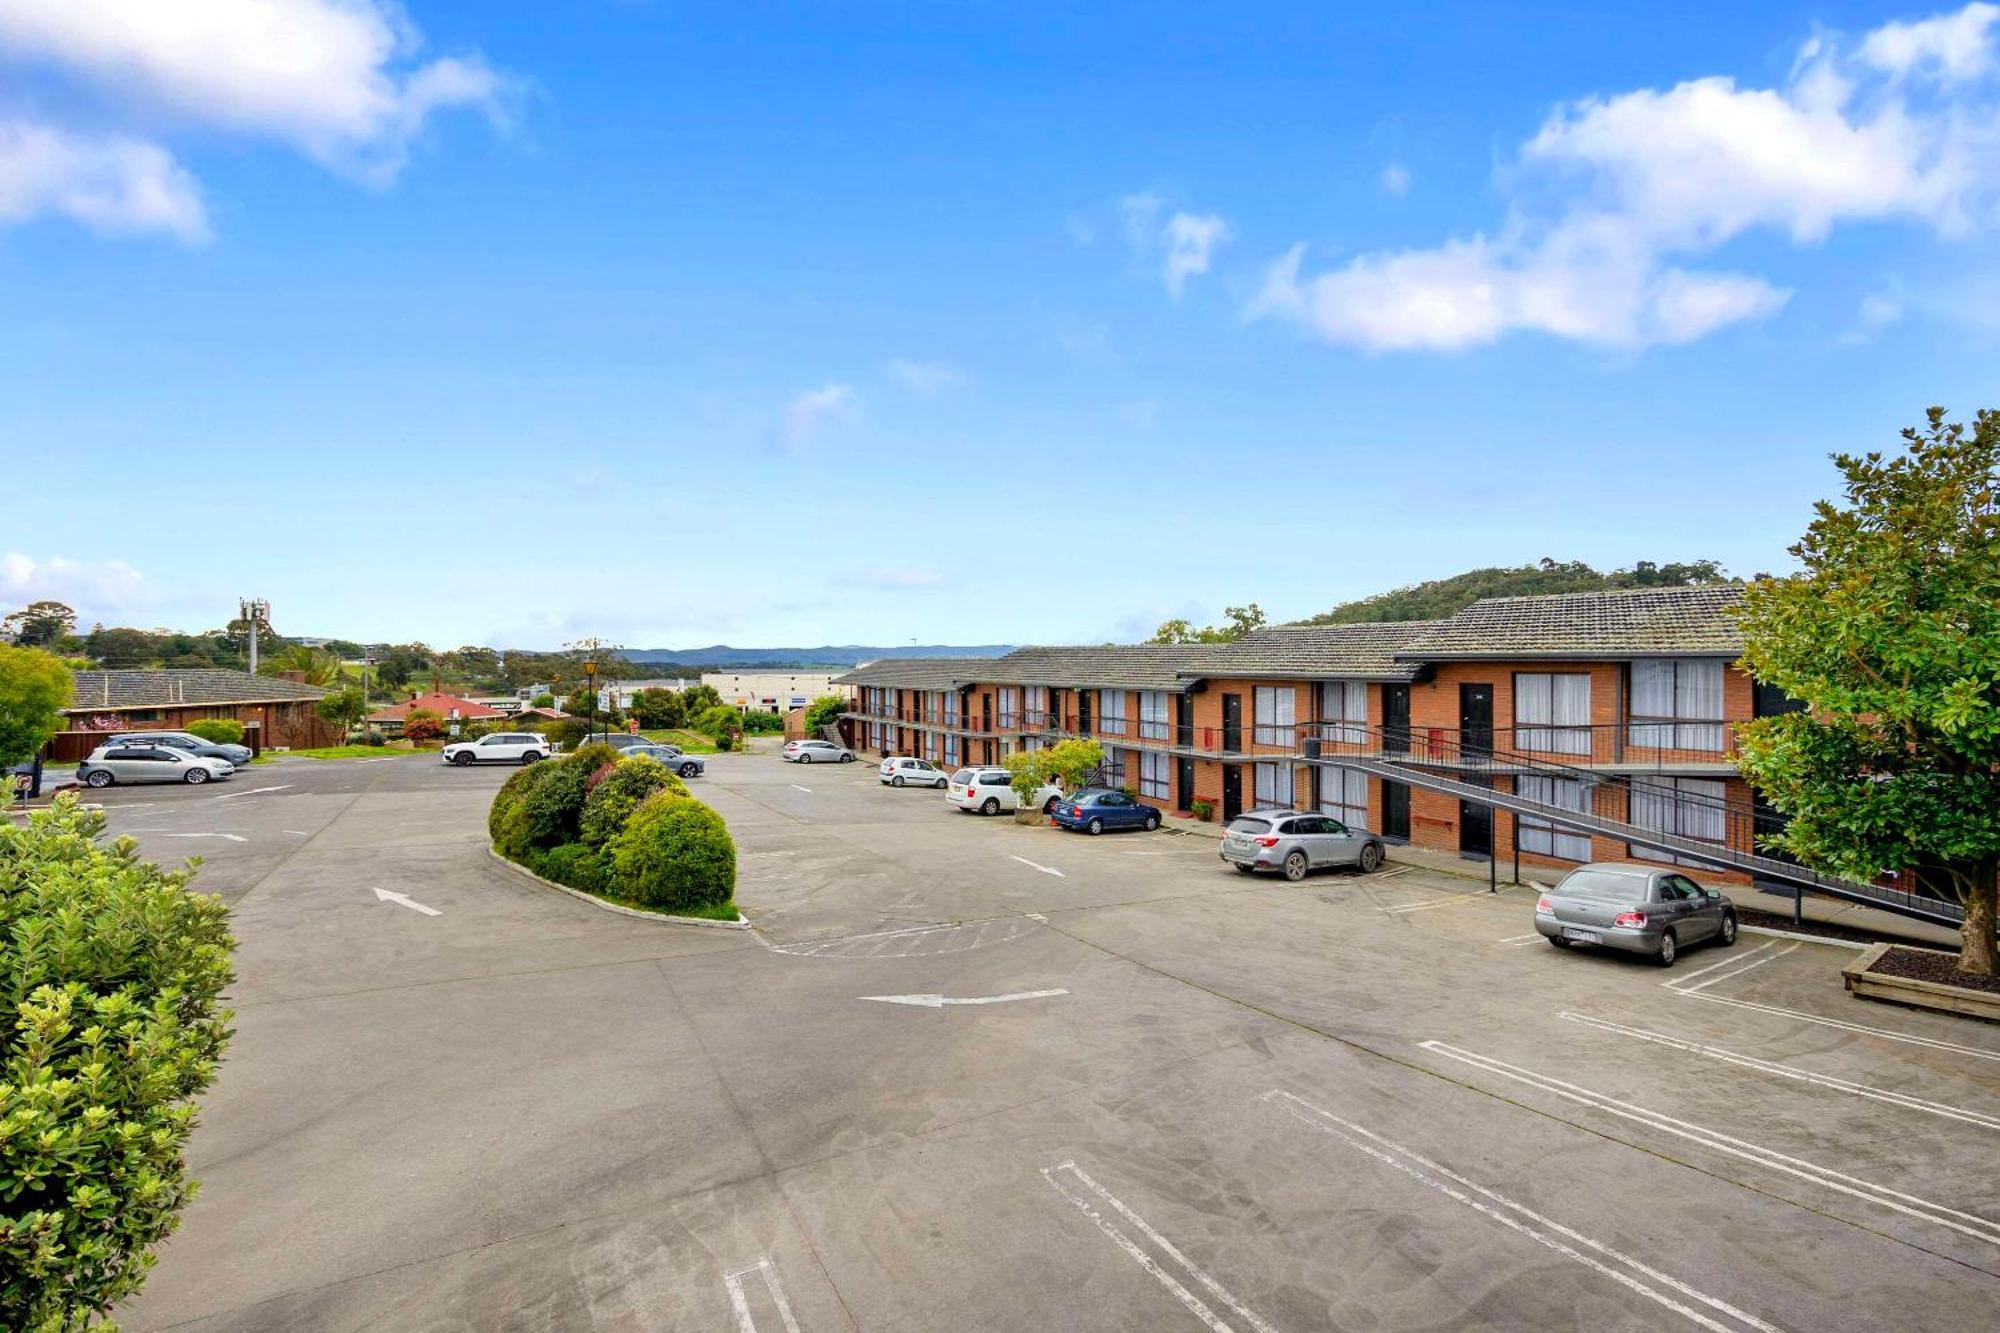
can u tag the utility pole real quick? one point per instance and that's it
(254, 611)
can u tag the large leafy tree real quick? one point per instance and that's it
(40, 624)
(1890, 635)
(1237, 621)
(35, 687)
(344, 708)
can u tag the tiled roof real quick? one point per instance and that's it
(1131, 666)
(1626, 622)
(1364, 651)
(441, 704)
(917, 673)
(112, 691)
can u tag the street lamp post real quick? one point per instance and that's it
(590, 685)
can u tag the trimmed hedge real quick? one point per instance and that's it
(109, 1028)
(623, 828)
(217, 730)
(675, 854)
(618, 792)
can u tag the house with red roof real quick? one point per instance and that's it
(450, 707)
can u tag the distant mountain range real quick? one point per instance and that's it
(830, 655)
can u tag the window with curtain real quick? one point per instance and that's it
(951, 708)
(1009, 707)
(1038, 706)
(1275, 715)
(1552, 712)
(1114, 766)
(1153, 769)
(1677, 703)
(1111, 712)
(1543, 837)
(1343, 711)
(1688, 807)
(1274, 784)
(951, 750)
(1343, 793)
(1153, 715)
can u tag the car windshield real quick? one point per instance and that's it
(1248, 825)
(963, 777)
(1611, 885)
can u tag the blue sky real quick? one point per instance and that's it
(974, 323)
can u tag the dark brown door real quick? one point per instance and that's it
(1396, 719)
(1475, 828)
(1475, 718)
(1232, 728)
(1232, 791)
(1184, 782)
(1184, 731)
(1396, 810)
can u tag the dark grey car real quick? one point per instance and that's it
(234, 755)
(1637, 909)
(1297, 842)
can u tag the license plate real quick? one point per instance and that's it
(1581, 936)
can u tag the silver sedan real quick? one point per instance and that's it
(681, 762)
(1636, 909)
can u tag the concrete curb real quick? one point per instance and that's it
(661, 918)
(1801, 936)
(1866, 985)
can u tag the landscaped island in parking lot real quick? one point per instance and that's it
(623, 829)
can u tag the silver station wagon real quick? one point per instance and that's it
(1296, 842)
(1634, 908)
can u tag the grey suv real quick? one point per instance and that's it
(1296, 842)
(234, 755)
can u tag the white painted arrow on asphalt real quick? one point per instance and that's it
(254, 791)
(384, 895)
(940, 1001)
(1046, 870)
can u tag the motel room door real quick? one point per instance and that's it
(1232, 792)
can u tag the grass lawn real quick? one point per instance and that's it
(338, 752)
(690, 742)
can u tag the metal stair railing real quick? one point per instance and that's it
(1464, 764)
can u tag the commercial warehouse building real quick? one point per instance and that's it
(1557, 729)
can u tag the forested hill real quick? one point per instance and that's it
(1444, 597)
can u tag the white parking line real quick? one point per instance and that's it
(1789, 1071)
(254, 791)
(1923, 1210)
(1396, 1155)
(1529, 938)
(807, 790)
(1194, 1303)
(1905, 1037)
(1718, 965)
(233, 837)
(1455, 900)
(741, 1303)
(1391, 874)
(1046, 870)
(1685, 989)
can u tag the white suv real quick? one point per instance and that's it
(502, 747)
(902, 771)
(991, 790)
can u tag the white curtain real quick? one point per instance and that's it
(1343, 705)
(1343, 793)
(1552, 712)
(1652, 699)
(1688, 807)
(1153, 773)
(1539, 835)
(1274, 784)
(1276, 714)
(1111, 712)
(1698, 696)
(1009, 707)
(1153, 715)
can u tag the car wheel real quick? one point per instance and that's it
(896, 781)
(1727, 935)
(847, 759)
(463, 758)
(196, 776)
(1243, 870)
(98, 778)
(689, 770)
(533, 756)
(1371, 859)
(1669, 950)
(1049, 806)
(1295, 867)
(1152, 822)
(1094, 827)
(942, 783)
(990, 806)
(1559, 941)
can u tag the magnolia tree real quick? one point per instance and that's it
(1066, 764)
(1890, 635)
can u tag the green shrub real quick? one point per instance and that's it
(823, 711)
(612, 800)
(760, 723)
(374, 738)
(593, 756)
(553, 807)
(543, 700)
(218, 730)
(568, 731)
(422, 724)
(718, 721)
(109, 982)
(674, 854)
(574, 864)
(507, 819)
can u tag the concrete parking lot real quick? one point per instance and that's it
(972, 1075)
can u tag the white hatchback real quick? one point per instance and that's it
(991, 790)
(502, 747)
(902, 771)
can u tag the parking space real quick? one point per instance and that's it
(973, 1074)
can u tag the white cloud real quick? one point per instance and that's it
(805, 414)
(1191, 240)
(92, 588)
(1878, 310)
(338, 80)
(1395, 180)
(1952, 46)
(1641, 178)
(925, 377)
(110, 183)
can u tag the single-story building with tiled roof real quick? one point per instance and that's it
(450, 707)
(274, 710)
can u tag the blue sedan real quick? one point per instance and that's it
(1095, 809)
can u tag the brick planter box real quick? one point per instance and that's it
(1867, 985)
